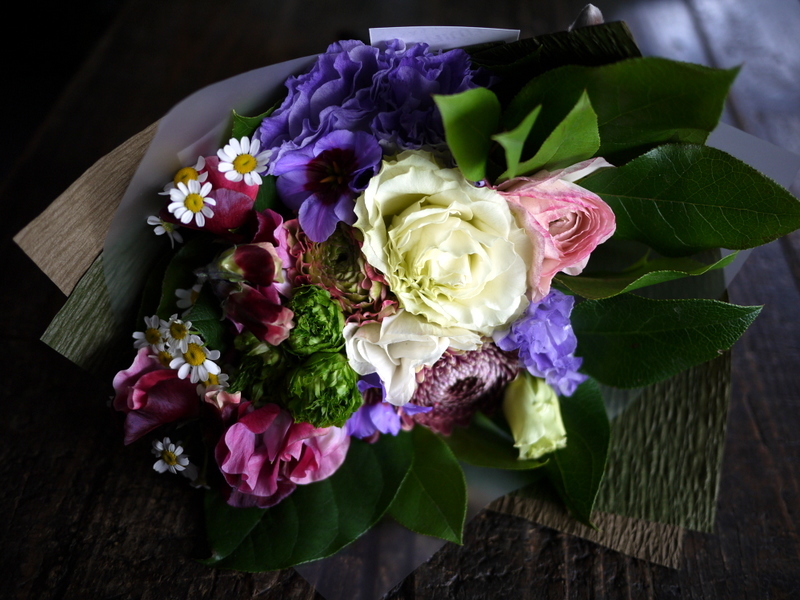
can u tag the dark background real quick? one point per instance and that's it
(86, 517)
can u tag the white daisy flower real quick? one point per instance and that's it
(164, 356)
(189, 201)
(187, 298)
(240, 159)
(187, 174)
(162, 227)
(196, 363)
(176, 333)
(212, 384)
(151, 336)
(170, 456)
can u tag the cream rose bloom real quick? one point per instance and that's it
(398, 347)
(451, 252)
(534, 416)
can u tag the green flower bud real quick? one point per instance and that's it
(318, 321)
(323, 390)
(534, 415)
(261, 369)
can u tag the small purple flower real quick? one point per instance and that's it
(322, 180)
(546, 342)
(376, 416)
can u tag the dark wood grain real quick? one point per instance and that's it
(86, 517)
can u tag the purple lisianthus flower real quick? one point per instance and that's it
(546, 343)
(321, 181)
(386, 92)
(376, 416)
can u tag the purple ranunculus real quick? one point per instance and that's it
(546, 342)
(322, 180)
(385, 92)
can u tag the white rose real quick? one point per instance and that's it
(534, 415)
(450, 252)
(398, 347)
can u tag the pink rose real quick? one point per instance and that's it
(265, 455)
(564, 221)
(151, 396)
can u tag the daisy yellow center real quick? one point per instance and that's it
(178, 331)
(169, 458)
(186, 174)
(152, 335)
(194, 355)
(212, 379)
(194, 202)
(164, 358)
(244, 163)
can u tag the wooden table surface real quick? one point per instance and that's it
(86, 517)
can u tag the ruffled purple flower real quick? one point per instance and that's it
(546, 343)
(322, 180)
(376, 416)
(387, 93)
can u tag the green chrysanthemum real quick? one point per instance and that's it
(261, 369)
(318, 321)
(323, 390)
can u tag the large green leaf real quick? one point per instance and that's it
(267, 196)
(573, 140)
(577, 470)
(484, 444)
(513, 143)
(319, 519)
(640, 103)
(628, 341)
(433, 497)
(470, 118)
(682, 198)
(650, 272)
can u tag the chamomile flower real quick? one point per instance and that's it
(164, 357)
(196, 363)
(187, 174)
(151, 336)
(187, 298)
(176, 333)
(241, 160)
(212, 384)
(170, 456)
(190, 201)
(162, 227)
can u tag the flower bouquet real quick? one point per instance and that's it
(417, 257)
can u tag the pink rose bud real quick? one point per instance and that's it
(564, 221)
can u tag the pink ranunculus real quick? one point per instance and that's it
(564, 221)
(151, 396)
(264, 455)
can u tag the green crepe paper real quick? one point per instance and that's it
(85, 329)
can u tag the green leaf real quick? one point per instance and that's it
(575, 139)
(267, 196)
(319, 519)
(433, 497)
(484, 444)
(470, 118)
(206, 318)
(577, 470)
(680, 199)
(513, 143)
(227, 526)
(247, 126)
(640, 103)
(180, 273)
(628, 341)
(604, 285)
